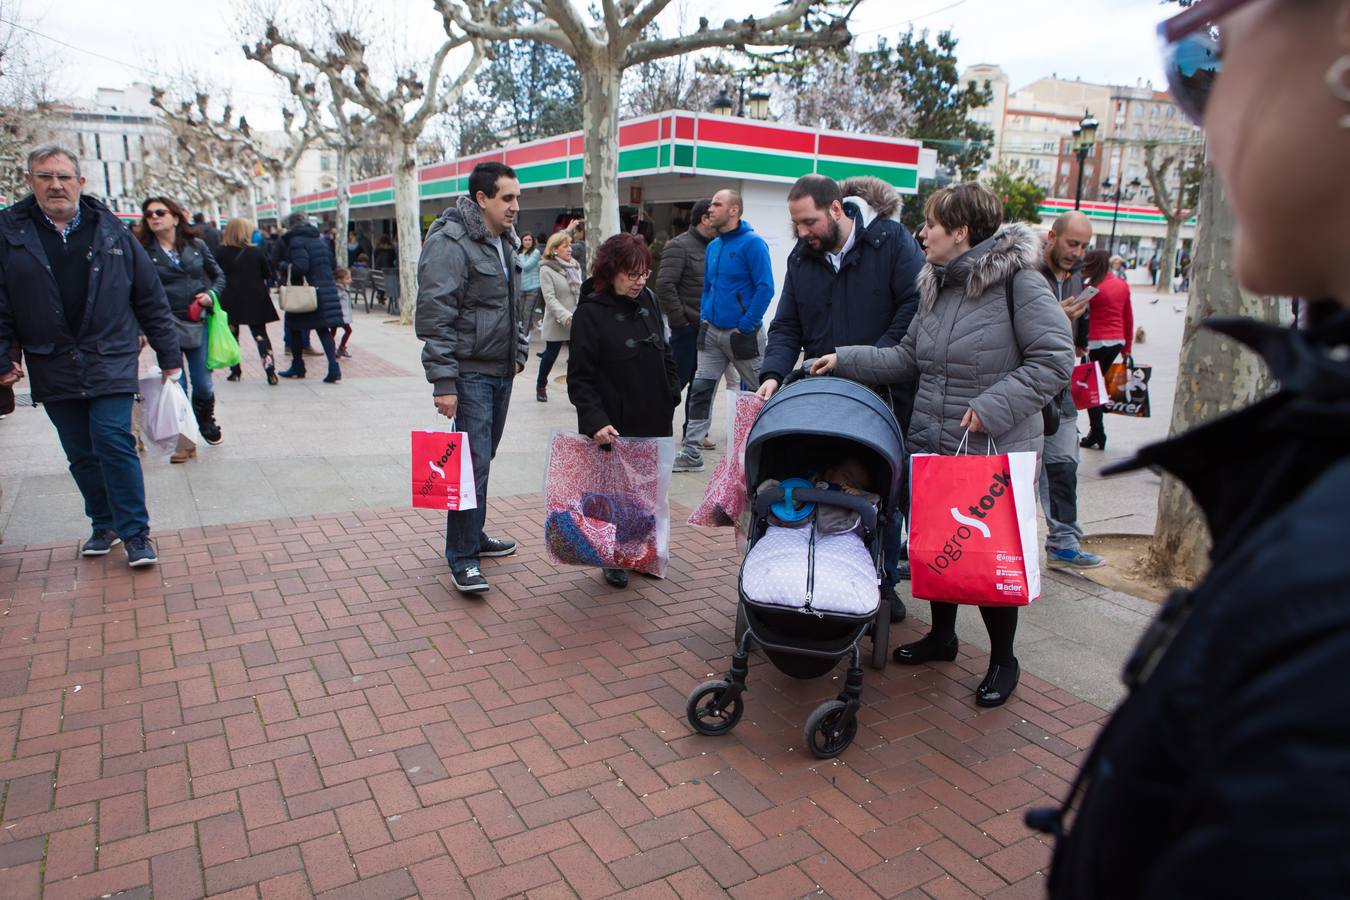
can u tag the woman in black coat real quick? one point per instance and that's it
(308, 259)
(192, 281)
(620, 372)
(246, 296)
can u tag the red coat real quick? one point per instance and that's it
(1111, 316)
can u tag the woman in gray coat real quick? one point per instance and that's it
(985, 363)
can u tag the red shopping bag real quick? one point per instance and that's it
(1087, 385)
(972, 536)
(442, 471)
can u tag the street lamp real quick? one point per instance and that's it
(759, 103)
(723, 104)
(1135, 185)
(1083, 137)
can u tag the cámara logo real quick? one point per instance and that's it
(968, 525)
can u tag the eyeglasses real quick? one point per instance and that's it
(638, 276)
(1192, 53)
(156, 213)
(48, 177)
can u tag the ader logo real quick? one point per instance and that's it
(968, 525)
(438, 467)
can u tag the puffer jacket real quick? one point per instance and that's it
(309, 260)
(196, 272)
(466, 303)
(679, 280)
(968, 353)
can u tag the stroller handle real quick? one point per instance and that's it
(795, 375)
(868, 512)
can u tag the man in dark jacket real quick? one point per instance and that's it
(210, 233)
(851, 279)
(76, 292)
(475, 345)
(1062, 264)
(679, 288)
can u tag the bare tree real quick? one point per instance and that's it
(400, 113)
(192, 164)
(279, 163)
(604, 48)
(348, 132)
(25, 103)
(1176, 201)
(1215, 376)
(673, 83)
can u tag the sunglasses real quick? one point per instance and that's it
(156, 213)
(1192, 52)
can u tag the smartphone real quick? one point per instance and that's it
(1087, 294)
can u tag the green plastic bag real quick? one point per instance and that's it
(222, 350)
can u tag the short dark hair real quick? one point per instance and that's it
(970, 204)
(625, 253)
(699, 211)
(484, 178)
(822, 189)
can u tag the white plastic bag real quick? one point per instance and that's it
(167, 421)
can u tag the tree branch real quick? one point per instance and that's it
(479, 20)
(639, 21)
(771, 31)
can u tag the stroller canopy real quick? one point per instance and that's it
(803, 424)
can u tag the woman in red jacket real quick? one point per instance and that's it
(1110, 329)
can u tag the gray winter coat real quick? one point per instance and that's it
(466, 303)
(679, 283)
(967, 354)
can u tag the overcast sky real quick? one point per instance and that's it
(114, 43)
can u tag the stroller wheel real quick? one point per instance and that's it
(706, 712)
(827, 732)
(881, 634)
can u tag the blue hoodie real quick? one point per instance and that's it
(737, 280)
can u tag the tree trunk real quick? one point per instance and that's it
(283, 195)
(1167, 261)
(408, 219)
(344, 203)
(600, 123)
(1215, 376)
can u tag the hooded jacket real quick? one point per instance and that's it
(1225, 771)
(737, 280)
(620, 370)
(466, 300)
(870, 300)
(125, 299)
(679, 281)
(968, 353)
(309, 260)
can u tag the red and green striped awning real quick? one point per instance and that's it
(1052, 207)
(682, 143)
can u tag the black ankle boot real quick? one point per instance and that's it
(205, 410)
(1094, 440)
(998, 684)
(926, 649)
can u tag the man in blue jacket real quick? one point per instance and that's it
(737, 288)
(76, 292)
(851, 279)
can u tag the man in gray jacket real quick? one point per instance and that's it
(474, 343)
(679, 288)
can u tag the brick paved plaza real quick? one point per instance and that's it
(300, 706)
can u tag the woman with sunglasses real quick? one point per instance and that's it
(620, 372)
(193, 281)
(1226, 771)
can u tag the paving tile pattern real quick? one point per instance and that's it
(303, 707)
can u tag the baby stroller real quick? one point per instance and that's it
(807, 424)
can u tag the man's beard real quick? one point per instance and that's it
(830, 243)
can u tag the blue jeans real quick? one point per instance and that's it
(481, 414)
(550, 356)
(195, 359)
(96, 435)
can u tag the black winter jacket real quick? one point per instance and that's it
(1226, 771)
(620, 370)
(308, 259)
(679, 281)
(196, 273)
(125, 299)
(870, 300)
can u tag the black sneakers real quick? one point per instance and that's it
(140, 552)
(100, 543)
(494, 547)
(469, 579)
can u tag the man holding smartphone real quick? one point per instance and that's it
(1062, 264)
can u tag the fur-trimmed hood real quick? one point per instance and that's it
(880, 195)
(1012, 248)
(466, 213)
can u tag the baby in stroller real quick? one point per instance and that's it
(815, 551)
